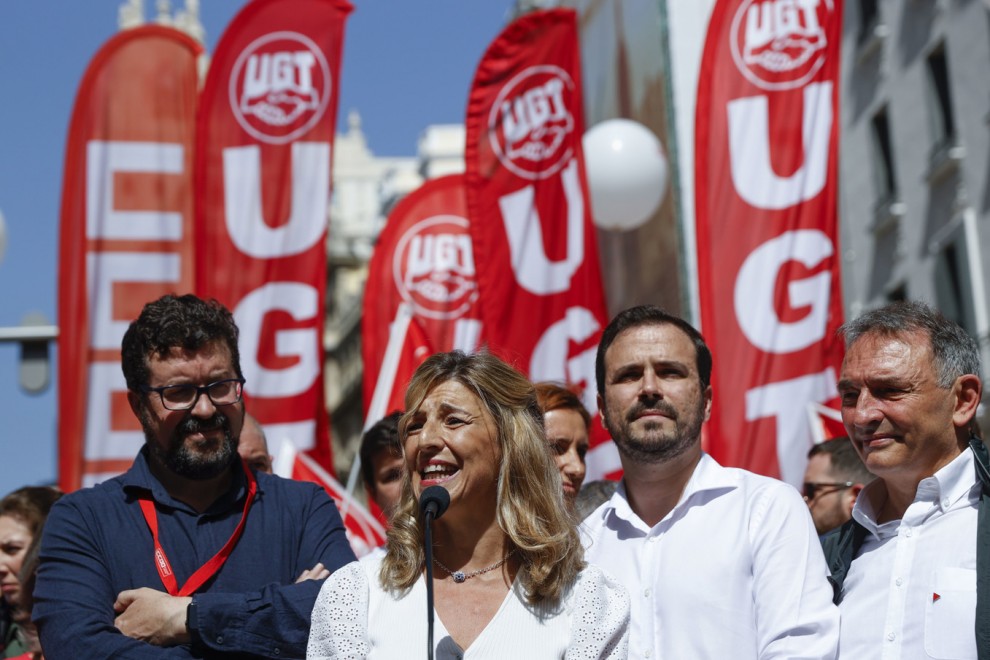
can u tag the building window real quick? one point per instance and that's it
(884, 177)
(953, 283)
(869, 18)
(940, 100)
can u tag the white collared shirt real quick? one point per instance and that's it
(911, 590)
(735, 570)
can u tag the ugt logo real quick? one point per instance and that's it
(279, 87)
(530, 124)
(780, 44)
(433, 267)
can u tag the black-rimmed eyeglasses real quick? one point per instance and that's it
(184, 397)
(811, 488)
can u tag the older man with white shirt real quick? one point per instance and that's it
(906, 565)
(719, 562)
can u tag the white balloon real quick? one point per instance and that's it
(627, 173)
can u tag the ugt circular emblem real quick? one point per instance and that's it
(780, 44)
(530, 125)
(433, 267)
(280, 87)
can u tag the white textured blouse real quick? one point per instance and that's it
(355, 617)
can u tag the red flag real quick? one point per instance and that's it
(126, 234)
(364, 531)
(768, 258)
(264, 136)
(826, 423)
(422, 292)
(542, 301)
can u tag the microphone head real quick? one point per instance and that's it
(434, 500)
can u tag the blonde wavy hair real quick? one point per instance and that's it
(530, 510)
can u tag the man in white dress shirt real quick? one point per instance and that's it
(910, 387)
(719, 562)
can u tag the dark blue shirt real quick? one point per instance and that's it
(96, 543)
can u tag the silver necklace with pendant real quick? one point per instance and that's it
(461, 576)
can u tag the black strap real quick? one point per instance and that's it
(842, 545)
(982, 550)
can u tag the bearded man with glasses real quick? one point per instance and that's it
(832, 480)
(189, 553)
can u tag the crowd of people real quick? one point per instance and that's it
(199, 551)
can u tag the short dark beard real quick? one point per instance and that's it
(178, 459)
(653, 450)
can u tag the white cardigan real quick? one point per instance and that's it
(355, 617)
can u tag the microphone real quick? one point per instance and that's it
(432, 503)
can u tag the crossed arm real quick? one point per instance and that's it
(157, 618)
(80, 614)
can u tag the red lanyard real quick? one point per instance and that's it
(207, 570)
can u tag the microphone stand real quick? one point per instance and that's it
(432, 502)
(428, 551)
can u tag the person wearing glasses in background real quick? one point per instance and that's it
(832, 480)
(187, 549)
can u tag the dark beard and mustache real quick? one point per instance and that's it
(183, 461)
(653, 444)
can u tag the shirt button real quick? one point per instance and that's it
(907, 532)
(647, 653)
(646, 593)
(219, 639)
(945, 503)
(277, 651)
(891, 636)
(899, 581)
(653, 539)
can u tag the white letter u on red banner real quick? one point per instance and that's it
(534, 271)
(243, 207)
(749, 150)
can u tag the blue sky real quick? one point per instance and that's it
(406, 65)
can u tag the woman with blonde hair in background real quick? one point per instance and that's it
(511, 580)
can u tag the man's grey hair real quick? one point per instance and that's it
(954, 353)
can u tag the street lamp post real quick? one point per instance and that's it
(34, 335)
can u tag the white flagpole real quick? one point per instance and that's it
(386, 381)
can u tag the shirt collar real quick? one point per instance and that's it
(708, 475)
(953, 482)
(943, 489)
(139, 477)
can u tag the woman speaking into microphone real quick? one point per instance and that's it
(509, 577)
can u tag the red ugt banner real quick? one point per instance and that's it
(264, 137)
(126, 233)
(542, 302)
(768, 257)
(422, 292)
